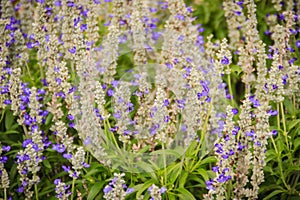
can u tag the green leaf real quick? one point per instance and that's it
(48, 119)
(46, 190)
(191, 150)
(142, 187)
(296, 143)
(236, 68)
(289, 106)
(273, 194)
(208, 160)
(292, 124)
(291, 170)
(9, 120)
(185, 194)
(271, 155)
(47, 164)
(173, 172)
(11, 132)
(182, 178)
(203, 173)
(95, 190)
(166, 152)
(280, 145)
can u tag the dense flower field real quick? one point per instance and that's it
(149, 99)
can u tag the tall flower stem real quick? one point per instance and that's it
(165, 165)
(5, 194)
(230, 89)
(284, 125)
(73, 187)
(36, 192)
(278, 117)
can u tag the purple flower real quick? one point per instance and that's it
(280, 17)
(209, 184)
(76, 21)
(60, 148)
(183, 128)
(58, 80)
(129, 190)
(110, 92)
(235, 111)
(215, 168)
(292, 60)
(254, 101)
(26, 142)
(166, 102)
(162, 190)
(72, 50)
(274, 132)
(7, 101)
(115, 83)
(155, 35)
(85, 165)
(181, 103)
(22, 158)
(30, 45)
(72, 125)
(97, 1)
(180, 17)
(57, 181)
(123, 39)
(83, 27)
(66, 168)
(250, 133)
(284, 79)
(67, 156)
(225, 61)
(5, 148)
(87, 141)
(169, 65)
(298, 43)
(107, 189)
(3, 159)
(117, 115)
(20, 189)
(71, 117)
(153, 129)
(44, 82)
(167, 119)
(240, 146)
(70, 4)
(61, 94)
(272, 112)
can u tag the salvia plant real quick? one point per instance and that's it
(147, 99)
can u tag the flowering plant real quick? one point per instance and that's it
(149, 99)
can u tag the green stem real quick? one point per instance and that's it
(31, 79)
(73, 187)
(2, 115)
(36, 192)
(273, 142)
(165, 165)
(202, 133)
(230, 89)
(41, 71)
(279, 163)
(281, 172)
(284, 125)
(113, 136)
(278, 117)
(5, 194)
